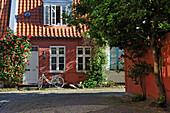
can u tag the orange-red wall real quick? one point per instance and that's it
(70, 76)
(150, 86)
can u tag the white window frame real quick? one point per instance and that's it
(83, 55)
(50, 15)
(58, 55)
(45, 15)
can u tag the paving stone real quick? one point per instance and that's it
(96, 100)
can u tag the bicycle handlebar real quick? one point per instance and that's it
(43, 71)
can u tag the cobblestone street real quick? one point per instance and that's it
(100, 100)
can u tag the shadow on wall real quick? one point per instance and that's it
(71, 60)
(166, 57)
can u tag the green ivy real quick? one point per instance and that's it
(139, 69)
(97, 74)
(14, 53)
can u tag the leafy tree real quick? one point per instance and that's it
(133, 25)
(14, 53)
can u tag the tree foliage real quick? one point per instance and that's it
(121, 21)
(133, 25)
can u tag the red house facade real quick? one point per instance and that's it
(150, 87)
(55, 46)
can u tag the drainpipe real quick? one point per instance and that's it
(13, 15)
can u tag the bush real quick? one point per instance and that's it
(96, 75)
(14, 53)
(138, 97)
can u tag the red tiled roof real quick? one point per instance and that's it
(33, 25)
(4, 14)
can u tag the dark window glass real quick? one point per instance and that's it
(80, 67)
(58, 14)
(47, 14)
(87, 63)
(34, 48)
(87, 51)
(53, 67)
(53, 59)
(53, 51)
(61, 59)
(80, 59)
(61, 50)
(53, 14)
(64, 11)
(80, 51)
(61, 66)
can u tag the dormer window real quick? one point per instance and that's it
(53, 11)
(53, 15)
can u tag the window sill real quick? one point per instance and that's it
(56, 71)
(81, 71)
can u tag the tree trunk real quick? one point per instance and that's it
(142, 85)
(158, 83)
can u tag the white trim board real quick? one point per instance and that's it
(13, 15)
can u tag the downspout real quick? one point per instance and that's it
(13, 15)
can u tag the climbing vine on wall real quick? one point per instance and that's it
(96, 74)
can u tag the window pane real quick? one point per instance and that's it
(61, 50)
(34, 48)
(64, 11)
(113, 54)
(53, 60)
(47, 15)
(53, 67)
(61, 66)
(113, 67)
(114, 49)
(53, 8)
(87, 63)
(87, 51)
(61, 59)
(80, 51)
(53, 12)
(53, 21)
(80, 67)
(53, 51)
(58, 14)
(80, 59)
(64, 21)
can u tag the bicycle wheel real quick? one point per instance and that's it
(40, 83)
(58, 82)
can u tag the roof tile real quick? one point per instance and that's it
(4, 15)
(33, 25)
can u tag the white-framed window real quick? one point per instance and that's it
(53, 15)
(57, 59)
(83, 58)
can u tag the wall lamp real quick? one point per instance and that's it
(44, 54)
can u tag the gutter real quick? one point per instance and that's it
(13, 15)
(53, 37)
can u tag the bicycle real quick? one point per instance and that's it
(56, 80)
